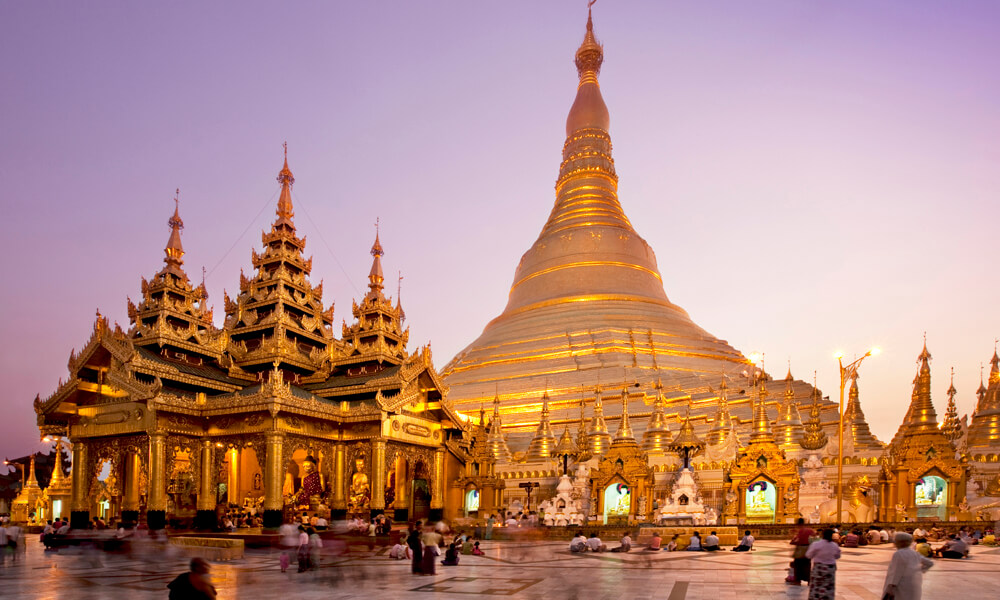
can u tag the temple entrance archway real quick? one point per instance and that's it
(930, 494)
(471, 502)
(420, 491)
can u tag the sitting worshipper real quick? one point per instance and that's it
(989, 538)
(578, 543)
(672, 546)
(873, 536)
(626, 544)
(63, 529)
(475, 550)
(906, 569)
(919, 532)
(511, 521)
(450, 556)
(953, 548)
(836, 535)
(923, 548)
(712, 542)
(399, 552)
(193, 585)
(885, 536)
(467, 546)
(937, 533)
(654, 542)
(976, 536)
(595, 544)
(746, 544)
(850, 540)
(694, 544)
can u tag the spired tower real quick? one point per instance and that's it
(588, 301)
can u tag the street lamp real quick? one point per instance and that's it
(846, 372)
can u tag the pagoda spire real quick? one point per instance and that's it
(285, 211)
(814, 437)
(624, 433)
(175, 250)
(543, 444)
(922, 416)
(495, 440)
(32, 482)
(657, 435)
(951, 426)
(984, 429)
(722, 426)
(855, 426)
(761, 424)
(375, 276)
(789, 424)
(687, 444)
(598, 438)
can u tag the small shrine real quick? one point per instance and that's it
(764, 482)
(685, 506)
(622, 480)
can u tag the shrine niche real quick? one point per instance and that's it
(764, 487)
(621, 479)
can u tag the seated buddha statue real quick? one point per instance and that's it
(312, 484)
(360, 490)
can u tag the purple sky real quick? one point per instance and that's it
(812, 176)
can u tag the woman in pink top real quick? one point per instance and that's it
(823, 554)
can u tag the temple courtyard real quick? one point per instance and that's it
(508, 569)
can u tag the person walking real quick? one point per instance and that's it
(193, 585)
(432, 541)
(823, 578)
(302, 552)
(800, 564)
(490, 521)
(904, 578)
(416, 550)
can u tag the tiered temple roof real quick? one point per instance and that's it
(984, 430)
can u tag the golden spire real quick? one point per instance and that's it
(566, 447)
(994, 367)
(814, 437)
(922, 416)
(788, 427)
(761, 425)
(284, 211)
(657, 436)
(174, 249)
(984, 430)
(375, 276)
(496, 441)
(32, 481)
(598, 438)
(589, 110)
(723, 424)
(951, 426)
(855, 426)
(624, 433)
(581, 431)
(543, 444)
(687, 444)
(981, 392)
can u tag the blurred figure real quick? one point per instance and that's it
(416, 550)
(193, 585)
(904, 579)
(432, 541)
(451, 556)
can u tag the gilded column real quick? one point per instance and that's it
(206, 518)
(437, 490)
(79, 508)
(274, 504)
(130, 487)
(339, 499)
(156, 509)
(378, 476)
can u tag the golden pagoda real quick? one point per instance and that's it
(656, 438)
(496, 440)
(984, 429)
(30, 503)
(587, 298)
(921, 475)
(544, 443)
(814, 438)
(598, 438)
(271, 412)
(788, 427)
(722, 425)
(952, 426)
(857, 435)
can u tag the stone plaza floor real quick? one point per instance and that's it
(509, 569)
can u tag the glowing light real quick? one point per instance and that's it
(838, 354)
(875, 351)
(218, 444)
(755, 357)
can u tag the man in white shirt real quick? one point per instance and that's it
(578, 543)
(694, 544)
(511, 521)
(322, 523)
(626, 544)
(884, 535)
(595, 544)
(63, 529)
(919, 532)
(711, 542)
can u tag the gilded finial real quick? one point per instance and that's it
(174, 250)
(285, 178)
(377, 246)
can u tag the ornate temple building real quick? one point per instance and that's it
(174, 418)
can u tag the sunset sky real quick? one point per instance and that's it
(813, 176)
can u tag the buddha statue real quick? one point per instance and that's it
(312, 484)
(360, 490)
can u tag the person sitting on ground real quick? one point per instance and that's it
(850, 540)
(467, 546)
(578, 543)
(399, 552)
(595, 544)
(626, 544)
(63, 529)
(450, 556)
(746, 544)
(873, 536)
(923, 548)
(989, 538)
(886, 535)
(712, 542)
(654, 542)
(672, 545)
(694, 545)
(194, 584)
(475, 550)
(953, 548)
(511, 521)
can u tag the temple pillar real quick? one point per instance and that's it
(339, 504)
(79, 509)
(233, 487)
(274, 504)
(156, 505)
(437, 487)
(206, 517)
(378, 477)
(401, 504)
(130, 488)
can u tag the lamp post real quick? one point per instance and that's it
(846, 372)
